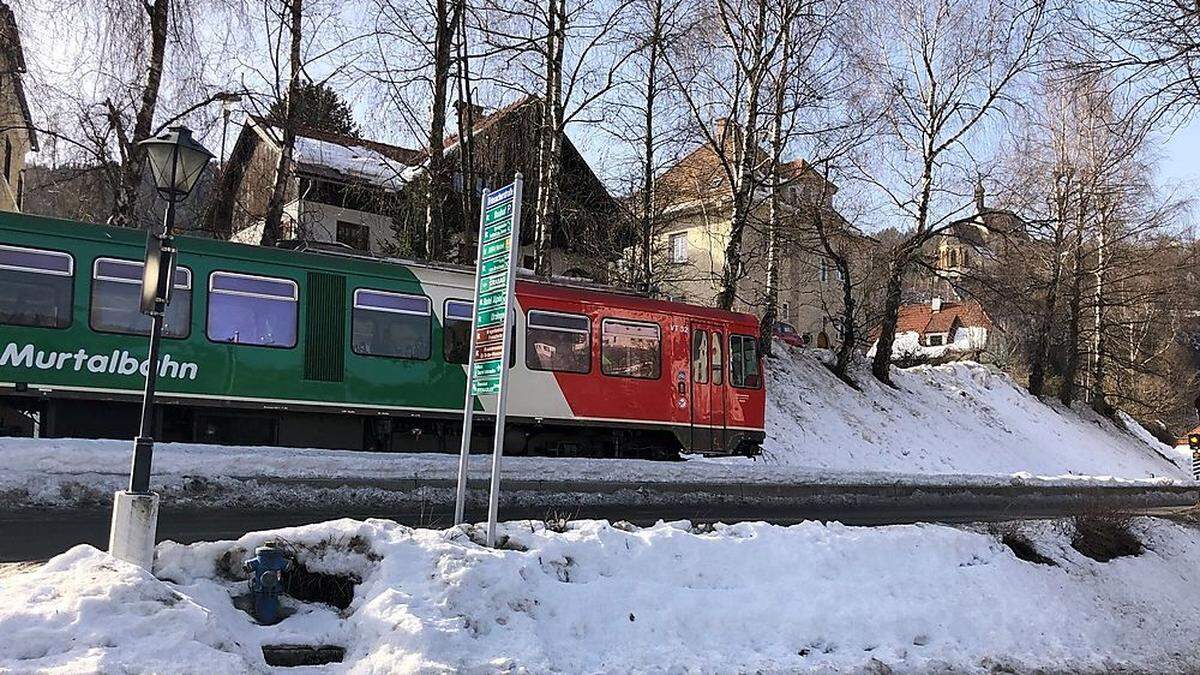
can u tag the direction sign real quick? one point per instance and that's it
(491, 339)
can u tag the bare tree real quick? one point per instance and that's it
(937, 70)
(273, 225)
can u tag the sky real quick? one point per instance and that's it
(1179, 166)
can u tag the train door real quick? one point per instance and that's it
(708, 388)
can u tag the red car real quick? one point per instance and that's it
(786, 332)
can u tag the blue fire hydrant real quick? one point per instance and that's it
(266, 570)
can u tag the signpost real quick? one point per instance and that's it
(491, 332)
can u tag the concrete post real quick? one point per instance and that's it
(134, 525)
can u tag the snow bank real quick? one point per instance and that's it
(959, 424)
(957, 418)
(600, 598)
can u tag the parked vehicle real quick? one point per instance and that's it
(265, 346)
(786, 332)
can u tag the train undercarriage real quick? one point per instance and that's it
(187, 422)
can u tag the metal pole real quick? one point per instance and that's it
(460, 498)
(143, 445)
(502, 396)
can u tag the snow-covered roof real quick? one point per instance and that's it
(387, 166)
(355, 161)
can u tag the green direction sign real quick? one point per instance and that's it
(492, 300)
(490, 317)
(490, 267)
(481, 387)
(497, 213)
(496, 248)
(497, 230)
(487, 369)
(495, 282)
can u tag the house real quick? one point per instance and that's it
(341, 190)
(16, 123)
(694, 204)
(939, 330)
(586, 235)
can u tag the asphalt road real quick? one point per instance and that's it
(38, 535)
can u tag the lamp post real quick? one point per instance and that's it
(176, 162)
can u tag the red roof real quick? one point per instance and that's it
(921, 319)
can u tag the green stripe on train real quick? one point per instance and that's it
(78, 356)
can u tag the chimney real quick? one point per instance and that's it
(935, 304)
(725, 131)
(979, 196)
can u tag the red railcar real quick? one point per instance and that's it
(669, 373)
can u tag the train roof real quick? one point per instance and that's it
(549, 287)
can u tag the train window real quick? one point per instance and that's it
(630, 349)
(456, 333)
(396, 325)
(700, 356)
(117, 297)
(252, 310)
(35, 287)
(558, 342)
(718, 360)
(743, 362)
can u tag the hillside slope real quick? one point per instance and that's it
(958, 418)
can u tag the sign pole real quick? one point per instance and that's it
(491, 332)
(506, 350)
(460, 499)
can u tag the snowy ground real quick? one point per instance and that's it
(957, 424)
(603, 598)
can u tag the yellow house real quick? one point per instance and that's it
(16, 125)
(694, 221)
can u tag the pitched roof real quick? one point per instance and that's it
(921, 319)
(346, 157)
(490, 120)
(12, 61)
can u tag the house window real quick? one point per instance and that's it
(354, 235)
(35, 287)
(743, 361)
(252, 310)
(786, 311)
(936, 340)
(558, 342)
(117, 299)
(824, 270)
(396, 325)
(8, 160)
(679, 248)
(630, 349)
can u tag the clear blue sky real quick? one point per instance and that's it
(1179, 163)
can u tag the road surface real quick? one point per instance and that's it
(38, 535)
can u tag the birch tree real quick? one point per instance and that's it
(938, 71)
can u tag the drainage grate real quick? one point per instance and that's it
(302, 655)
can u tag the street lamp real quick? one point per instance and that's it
(176, 162)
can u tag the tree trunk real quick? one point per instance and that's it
(646, 263)
(743, 185)
(1037, 366)
(881, 366)
(1099, 400)
(273, 223)
(771, 310)
(550, 149)
(435, 194)
(125, 211)
(466, 142)
(1066, 394)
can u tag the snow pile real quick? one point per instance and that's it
(957, 418)
(601, 598)
(87, 612)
